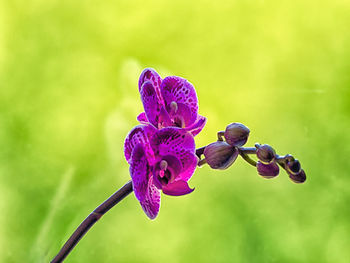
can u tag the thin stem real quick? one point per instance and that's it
(282, 160)
(200, 151)
(244, 153)
(202, 162)
(220, 135)
(248, 150)
(91, 220)
(247, 159)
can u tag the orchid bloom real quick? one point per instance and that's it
(161, 151)
(160, 160)
(169, 102)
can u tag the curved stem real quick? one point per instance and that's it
(247, 159)
(220, 135)
(91, 220)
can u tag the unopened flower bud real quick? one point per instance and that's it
(236, 134)
(293, 167)
(299, 177)
(220, 155)
(267, 170)
(265, 153)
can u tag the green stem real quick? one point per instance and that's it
(247, 159)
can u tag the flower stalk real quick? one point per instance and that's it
(88, 222)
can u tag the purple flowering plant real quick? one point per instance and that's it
(161, 151)
(162, 155)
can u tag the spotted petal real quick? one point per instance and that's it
(139, 135)
(182, 116)
(149, 74)
(151, 203)
(189, 163)
(179, 90)
(197, 126)
(176, 142)
(139, 171)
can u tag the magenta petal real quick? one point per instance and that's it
(173, 169)
(139, 135)
(172, 141)
(142, 118)
(189, 162)
(182, 117)
(196, 127)
(151, 203)
(164, 118)
(174, 164)
(139, 171)
(151, 103)
(151, 76)
(180, 90)
(177, 188)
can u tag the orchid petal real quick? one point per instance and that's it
(151, 103)
(189, 162)
(142, 118)
(182, 116)
(164, 118)
(179, 90)
(172, 141)
(174, 166)
(179, 143)
(149, 74)
(139, 135)
(151, 203)
(197, 126)
(177, 188)
(139, 171)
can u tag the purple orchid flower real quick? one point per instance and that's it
(169, 102)
(160, 160)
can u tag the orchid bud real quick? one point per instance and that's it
(298, 177)
(267, 170)
(220, 155)
(265, 153)
(236, 134)
(293, 167)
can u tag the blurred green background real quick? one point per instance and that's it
(69, 96)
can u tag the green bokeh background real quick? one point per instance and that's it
(68, 97)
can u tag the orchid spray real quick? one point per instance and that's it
(162, 154)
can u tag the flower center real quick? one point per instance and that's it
(173, 107)
(163, 165)
(166, 170)
(164, 174)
